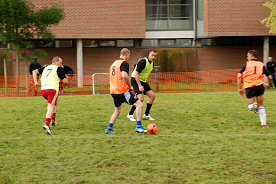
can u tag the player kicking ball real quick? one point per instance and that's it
(120, 91)
(140, 86)
(252, 76)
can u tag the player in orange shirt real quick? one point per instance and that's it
(120, 91)
(252, 76)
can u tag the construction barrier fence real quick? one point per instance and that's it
(168, 82)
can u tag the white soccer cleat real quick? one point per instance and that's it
(53, 123)
(47, 129)
(131, 117)
(148, 117)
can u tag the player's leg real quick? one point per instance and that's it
(139, 110)
(52, 96)
(251, 93)
(118, 106)
(250, 104)
(49, 114)
(150, 101)
(134, 84)
(131, 99)
(53, 120)
(261, 108)
(273, 79)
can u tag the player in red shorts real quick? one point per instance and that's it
(51, 75)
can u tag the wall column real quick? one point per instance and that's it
(265, 54)
(80, 63)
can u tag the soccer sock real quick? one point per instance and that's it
(47, 121)
(262, 115)
(54, 117)
(250, 107)
(148, 109)
(132, 110)
(110, 126)
(138, 124)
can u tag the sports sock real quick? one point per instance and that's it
(54, 117)
(110, 126)
(132, 110)
(250, 107)
(148, 109)
(138, 124)
(47, 121)
(262, 115)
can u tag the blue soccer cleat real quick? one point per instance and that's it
(141, 130)
(109, 131)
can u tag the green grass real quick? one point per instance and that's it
(201, 138)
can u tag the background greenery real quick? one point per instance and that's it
(201, 138)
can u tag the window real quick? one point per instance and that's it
(200, 10)
(169, 14)
(44, 44)
(167, 43)
(149, 43)
(64, 43)
(227, 41)
(89, 43)
(125, 43)
(183, 42)
(3, 45)
(107, 43)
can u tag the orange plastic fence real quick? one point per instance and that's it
(200, 81)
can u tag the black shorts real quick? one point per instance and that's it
(126, 97)
(255, 91)
(136, 88)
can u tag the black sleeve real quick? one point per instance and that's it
(265, 71)
(141, 65)
(243, 68)
(125, 67)
(40, 70)
(60, 73)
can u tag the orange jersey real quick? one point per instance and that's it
(117, 83)
(253, 74)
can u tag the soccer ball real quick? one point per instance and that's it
(152, 128)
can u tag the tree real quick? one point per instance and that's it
(21, 22)
(270, 21)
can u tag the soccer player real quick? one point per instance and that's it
(252, 76)
(270, 65)
(120, 91)
(139, 82)
(51, 75)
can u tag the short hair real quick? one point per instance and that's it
(56, 58)
(124, 51)
(254, 53)
(153, 51)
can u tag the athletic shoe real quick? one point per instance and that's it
(255, 107)
(141, 130)
(131, 117)
(53, 123)
(47, 129)
(147, 117)
(109, 131)
(264, 126)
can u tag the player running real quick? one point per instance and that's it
(120, 91)
(51, 75)
(252, 76)
(139, 82)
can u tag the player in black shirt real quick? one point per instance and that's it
(270, 65)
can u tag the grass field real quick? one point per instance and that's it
(201, 138)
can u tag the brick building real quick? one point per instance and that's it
(220, 32)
